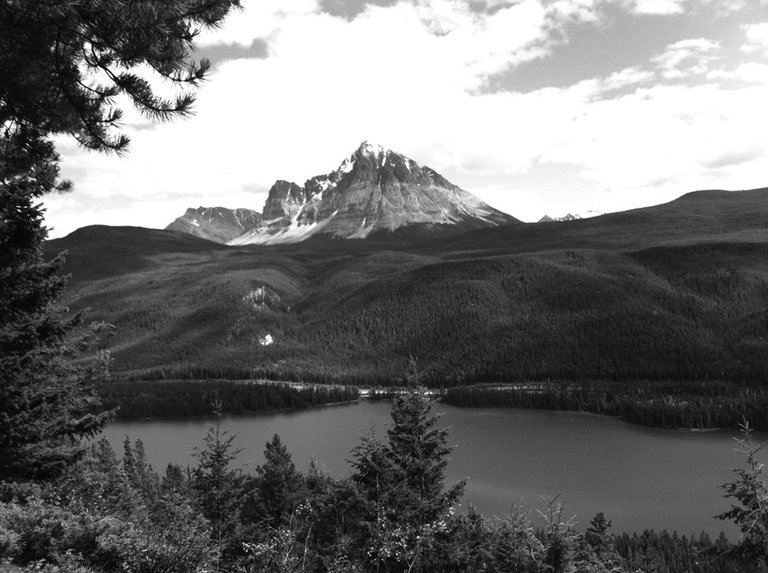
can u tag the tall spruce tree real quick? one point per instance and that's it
(45, 399)
(407, 474)
(404, 502)
(418, 452)
(281, 485)
(62, 65)
(418, 449)
(218, 488)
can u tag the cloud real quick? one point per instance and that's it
(687, 58)
(258, 20)
(351, 8)
(734, 157)
(628, 78)
(219, 52)
(410, 76)
(756, 36)
(749, 73)
(657, 7)
(575, 11)
(717, 8)
(674, 133)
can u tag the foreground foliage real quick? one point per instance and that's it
(47, 401)
(62, 66)
(394, 513)
(749, 510)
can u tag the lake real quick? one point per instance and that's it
(640, 477)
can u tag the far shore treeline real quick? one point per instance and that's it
(183, 398)
(671, 405)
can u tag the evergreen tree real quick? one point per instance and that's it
(281, 485)
(373, 471)
(46, 402)
(98, 484)
(597, 535)
(597, 550)
(174, 480)
(218, 488)
(140, 473)
(560, 538)
(62, 64)
(329, 506)
(750, 513)
(418, 452)
(517, 549)
(405, 506)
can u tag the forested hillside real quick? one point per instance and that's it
(676, 292)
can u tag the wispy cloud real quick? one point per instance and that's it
(687, 58)
(664, 7)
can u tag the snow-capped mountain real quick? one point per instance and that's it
(216, 223)
(570, 217)
(373, 191)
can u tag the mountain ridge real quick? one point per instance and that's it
(374, 191)
(570, 217)
(217, 224)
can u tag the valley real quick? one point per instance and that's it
(673, 293)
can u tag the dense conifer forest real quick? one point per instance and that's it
(671, 405)
(691, 405)
(182, 398)
(353, 316)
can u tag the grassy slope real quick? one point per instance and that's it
(674, 291)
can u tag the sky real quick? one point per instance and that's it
(535, 106)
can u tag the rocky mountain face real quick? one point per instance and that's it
(216, 223)
(373, 191)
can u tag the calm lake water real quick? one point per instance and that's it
(640, 477)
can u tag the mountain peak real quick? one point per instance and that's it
(369, 148)
(367, 153)
(373, 191)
